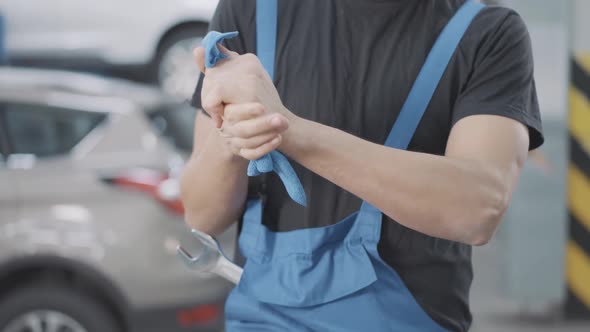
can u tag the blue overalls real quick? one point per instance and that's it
(332, 278)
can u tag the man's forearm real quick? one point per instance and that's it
(456, 199)
(214, 186)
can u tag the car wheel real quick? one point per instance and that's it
(175, 69)
(53, 309)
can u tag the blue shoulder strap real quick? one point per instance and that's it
(429, 77)
(266, 40)
(266, 33)
(427, 81)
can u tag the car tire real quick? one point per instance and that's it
(179, 44)
(41, 301)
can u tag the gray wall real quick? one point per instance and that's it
(532, 237)
(547, 21)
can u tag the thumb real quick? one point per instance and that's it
(226, 51)
(199, 55)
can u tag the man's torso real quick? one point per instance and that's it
(350, 64)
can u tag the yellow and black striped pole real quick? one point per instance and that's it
(578, 246)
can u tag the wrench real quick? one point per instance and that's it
(211, 259)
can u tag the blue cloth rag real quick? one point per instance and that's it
(274, 161)
(212, 53)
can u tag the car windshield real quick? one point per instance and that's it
(175, 122)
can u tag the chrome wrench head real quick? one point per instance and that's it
(207, 259)
(211, 260)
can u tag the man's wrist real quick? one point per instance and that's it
(294, 138)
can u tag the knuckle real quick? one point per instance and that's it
(241, 131)
(242, 143)
(249, 131)
(229, 113)
(225, 133)
(238, 143)
(208, 101)
(251, 62)
(207, 105)
(254, 127)
(205, 100)
(250, 58)
(232, 146)
(257, 108)
(258, 141)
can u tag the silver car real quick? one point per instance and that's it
(89, 210)
(151, 39)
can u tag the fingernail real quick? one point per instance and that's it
(276, 121)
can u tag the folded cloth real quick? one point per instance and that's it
(212, 52)
(273, 161)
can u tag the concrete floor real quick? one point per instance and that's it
(494, 312)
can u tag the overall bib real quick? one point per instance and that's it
(332, 278)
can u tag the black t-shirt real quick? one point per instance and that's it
(350, 64)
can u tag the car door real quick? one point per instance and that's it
(8, 193)
(53, 192)
(93, 28)
(33, 28)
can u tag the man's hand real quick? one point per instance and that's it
(239, 79)
(250, 131)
